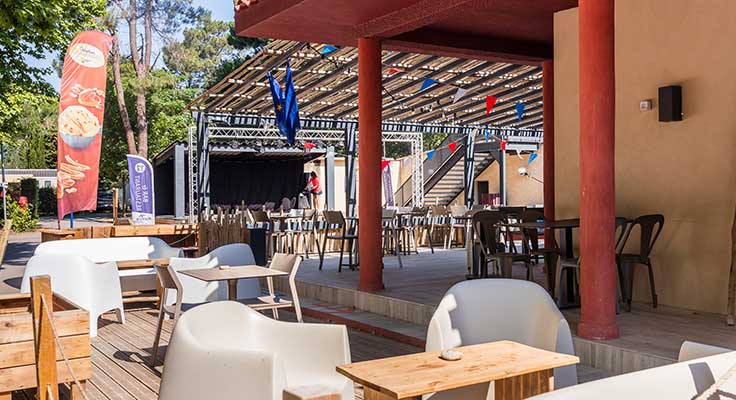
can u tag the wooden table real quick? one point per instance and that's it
(139, 264)
(232, 274)
(519, 371)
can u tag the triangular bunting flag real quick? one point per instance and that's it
(384, 164)
(520, 110)
(503, 145)
(490, 102)
(327, 49)
(532, 157)
(518, 154)
(430, 154)
(486, 133)
(427, 83)
(394, 70)
(308, 145)
(452, 146)
(459, 95)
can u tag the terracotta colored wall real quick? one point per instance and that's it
(684, 170)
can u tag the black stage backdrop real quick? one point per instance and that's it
(255, 181)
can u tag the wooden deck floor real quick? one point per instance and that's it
(121, 352)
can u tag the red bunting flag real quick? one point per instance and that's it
(490, 102)
(394, 70)
(384, 164)
(308, 145)
(453, 146)
(503, 145)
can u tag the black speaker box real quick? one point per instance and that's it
(670, 103)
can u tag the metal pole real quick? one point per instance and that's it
(5, 185)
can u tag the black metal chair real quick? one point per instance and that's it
(486, 238)
(572, 265)
(550, 252)
(335, 222)
(650, 227)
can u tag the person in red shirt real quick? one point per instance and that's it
(315, 189)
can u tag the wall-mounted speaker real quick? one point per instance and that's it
(670, 103)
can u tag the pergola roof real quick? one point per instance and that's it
(327, 87)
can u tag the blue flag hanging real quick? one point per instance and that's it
(520, 110)
(285, 106)
(430, 154)
(486, 133)
(327, 49)
(427, 83)
(532, 157)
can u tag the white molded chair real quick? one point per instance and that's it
(94, 287)
(231, 350)
(699, 366)
(488, 310)
(288, 263)
(117, 249)
(199, 291)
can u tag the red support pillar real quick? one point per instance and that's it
(369, 164)
(597, 174)
(548, 110)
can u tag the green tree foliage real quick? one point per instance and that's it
(33, 28)
(28, 128)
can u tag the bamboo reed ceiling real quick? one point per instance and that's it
(327, 87)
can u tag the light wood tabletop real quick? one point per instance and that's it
(137, 264)
(520, 371)
(232, 274)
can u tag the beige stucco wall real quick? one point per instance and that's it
(684, 170)
(521, 191)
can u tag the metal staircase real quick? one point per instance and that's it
(450, 185)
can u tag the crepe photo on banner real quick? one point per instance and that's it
(142, 202)
(81, 107)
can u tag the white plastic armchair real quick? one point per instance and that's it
(112, 249)
(487, 310)
(231, 350)
(94, 287)
(198, 291)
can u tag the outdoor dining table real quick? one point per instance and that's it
(232, 274)
(519, 371)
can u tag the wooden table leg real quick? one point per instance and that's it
(523, 386)
(370, 394)
(232, 289)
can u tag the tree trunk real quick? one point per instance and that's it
(124, 116)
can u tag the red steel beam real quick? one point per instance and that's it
(409, 18)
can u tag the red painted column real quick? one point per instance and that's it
(548, 113)
(597, 174)
(369, 164)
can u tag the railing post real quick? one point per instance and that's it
(43, 338)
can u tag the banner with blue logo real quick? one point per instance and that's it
(142, 202)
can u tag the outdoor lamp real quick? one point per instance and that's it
(524, 172)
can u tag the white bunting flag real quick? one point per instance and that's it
(459, 94)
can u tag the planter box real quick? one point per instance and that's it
(17, 353)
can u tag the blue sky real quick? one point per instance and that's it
(221, 10)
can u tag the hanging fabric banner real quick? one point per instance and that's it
(427, 83)
(327, 49)
(452, 146)
(430, 154)
(490, 102)
(81, 109)
(459, 95)
(520, 110)
(388, 190)
(532, 157)
(142, 201)
(285, 107)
